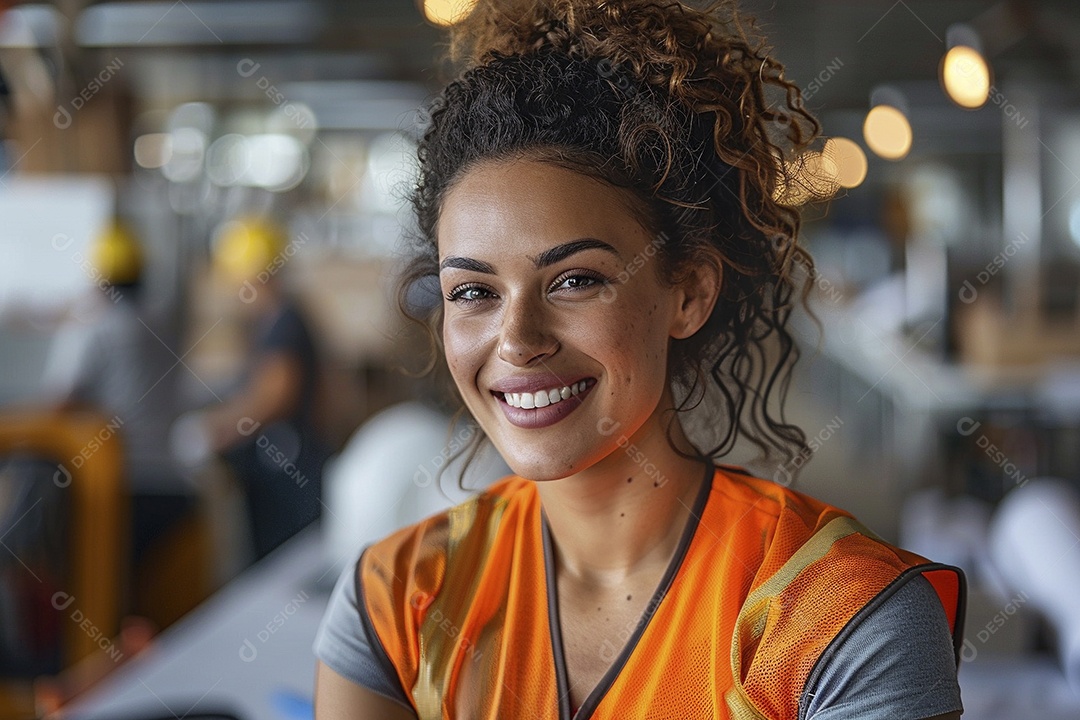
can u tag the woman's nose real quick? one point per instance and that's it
(525, 336)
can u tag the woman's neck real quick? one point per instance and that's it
(622, 517)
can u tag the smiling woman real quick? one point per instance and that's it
(600, 202)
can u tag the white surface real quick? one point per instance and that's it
(48, 225)
(385, 478)
(1010, 688)
(1035, 544)
(247, 642)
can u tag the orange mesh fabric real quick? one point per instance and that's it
(853, 571)
(463, 615)
(769, 579)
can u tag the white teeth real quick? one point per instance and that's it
(543, 398)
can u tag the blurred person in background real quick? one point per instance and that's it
(265, 431)
(105, 357)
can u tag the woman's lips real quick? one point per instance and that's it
(549, 414)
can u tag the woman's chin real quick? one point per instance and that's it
(544, 471)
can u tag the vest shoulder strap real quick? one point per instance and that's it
(402, 585)
(790, 619)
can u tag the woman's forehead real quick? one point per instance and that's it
(531, 204)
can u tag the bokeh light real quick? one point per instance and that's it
(447, 12)
(965, 75)
(887, 132)
(849, 159)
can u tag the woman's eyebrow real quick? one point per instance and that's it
(548, 257)
(465, 263)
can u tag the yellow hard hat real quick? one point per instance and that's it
(116, 254)
(247, 246)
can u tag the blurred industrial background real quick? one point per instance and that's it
(200, 212)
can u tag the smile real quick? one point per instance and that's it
(543, 398)
(545, 407)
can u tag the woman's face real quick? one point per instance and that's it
(533, 302)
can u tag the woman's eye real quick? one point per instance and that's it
(466, 294)
(581, 281)
(472, 294)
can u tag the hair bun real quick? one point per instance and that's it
(661, 43)
(507, 27)
(617, 29)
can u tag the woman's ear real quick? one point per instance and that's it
(696, 295)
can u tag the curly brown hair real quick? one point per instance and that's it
(669, 103)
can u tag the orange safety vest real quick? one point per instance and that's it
(765, 581)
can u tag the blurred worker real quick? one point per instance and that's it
(266, 432)
(107, 358)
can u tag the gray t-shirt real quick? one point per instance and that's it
(116, 363)
(897, 662)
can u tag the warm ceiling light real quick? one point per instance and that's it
(850, 161)
(447, 12)
(887, 132)
(965, 76)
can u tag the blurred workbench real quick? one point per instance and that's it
(908, 407)
(244, 653)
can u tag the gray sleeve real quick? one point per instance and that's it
(343, 642)
(898, 662)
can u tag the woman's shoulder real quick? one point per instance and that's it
(771, 502)
(787, 529)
